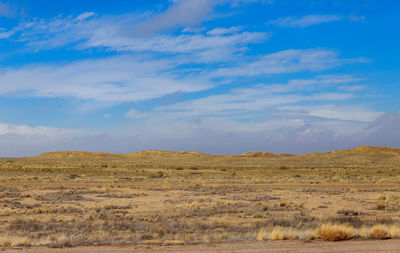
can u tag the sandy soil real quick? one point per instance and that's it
(387, 246)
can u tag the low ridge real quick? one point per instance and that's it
(76, 154)
(264, 154)
(361, 150)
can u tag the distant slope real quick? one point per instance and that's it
(365, 157)
(94, 155)
(362, 154)
(263, 154)
(166, 153)
(360, 151)
(76, 154)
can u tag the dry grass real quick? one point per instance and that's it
(14, 241)
(391, 202)
(330, 232)
(277, 233)
(281, 233)
(334, 232)
(379, 232)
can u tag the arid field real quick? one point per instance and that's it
(167, 199)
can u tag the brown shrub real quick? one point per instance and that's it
(332, 232)
(379, 232)
(380, 203)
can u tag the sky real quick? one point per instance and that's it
(215, 76)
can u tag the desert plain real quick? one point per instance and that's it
(163, 201)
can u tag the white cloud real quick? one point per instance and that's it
(115, 80)
(133, 114)
(110, 80)
(224, 31)
(183, 44)
(24, 140)
(193, 29)
(110, 33)
(351, 113)
(354, 18)
(185, 13)
(85, 15)
(240, 102)
(28, 131)
(353, 88)
(6, 35)
(182, 13)
(236, 3)
(305, 21)
(263, 99)
(288, 61)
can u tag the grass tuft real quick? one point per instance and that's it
(333, 232)
(379, 232)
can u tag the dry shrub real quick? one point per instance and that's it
(390, 202)
(5, 242)
(379, 232)
(262, 235)
(280, 233)
(307, 235)
(277, 233)
(14, 241)
(394, 231)
(380, 203)
(333, 232)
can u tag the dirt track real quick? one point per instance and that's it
(387, 246)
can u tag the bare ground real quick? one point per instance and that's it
(387, 246)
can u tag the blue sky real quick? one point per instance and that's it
(216, 76)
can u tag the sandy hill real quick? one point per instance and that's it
(368, 151)
(96, 155)
(360, 155)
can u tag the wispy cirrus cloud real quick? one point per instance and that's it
(288, 61)
(126, 32)
(181, 14)
(305, 21)
(25, 130)
(6, 34)
(185, 13)
(88, 30)
(127, 78)
(85, 15)
(264, 98)
(110, 80)
(183, 44)
(224, 31)
(333, 111)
